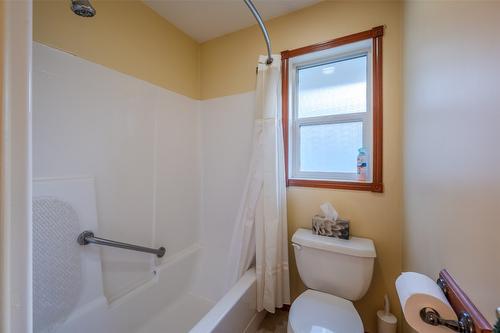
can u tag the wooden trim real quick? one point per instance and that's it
(284, 112)
(368, 34)
(460, 303)
(376, 35)
(378, 123)
(336, 185)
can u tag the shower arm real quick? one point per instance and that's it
(256, 14)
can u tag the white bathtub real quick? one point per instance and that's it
(236, 311)
(166, 304)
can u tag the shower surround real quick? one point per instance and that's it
(169, 171)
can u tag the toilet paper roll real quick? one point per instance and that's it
(417, 291)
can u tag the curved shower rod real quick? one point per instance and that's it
(256, 14)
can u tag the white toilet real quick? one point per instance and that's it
(337, 272)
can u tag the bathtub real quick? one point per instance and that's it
(236, 311)
(166, 304)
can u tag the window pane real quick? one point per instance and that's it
(334, 88)
(330, 147)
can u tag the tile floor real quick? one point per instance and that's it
(274, 323)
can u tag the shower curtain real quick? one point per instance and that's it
(260, 235)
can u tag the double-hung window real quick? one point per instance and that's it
(332, 112)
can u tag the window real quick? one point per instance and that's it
(332, 112)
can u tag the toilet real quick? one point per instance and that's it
(336, 272)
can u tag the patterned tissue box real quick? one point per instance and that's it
(325, 227)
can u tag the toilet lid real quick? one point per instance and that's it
(317, 312)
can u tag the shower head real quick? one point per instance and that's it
(82, 8)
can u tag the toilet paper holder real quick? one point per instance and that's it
(430, 316)
(463, 324)
(470, 319)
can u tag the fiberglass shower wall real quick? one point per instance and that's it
(140, 144)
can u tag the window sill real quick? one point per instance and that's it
(357, 186)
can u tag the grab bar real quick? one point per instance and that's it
(87, 237)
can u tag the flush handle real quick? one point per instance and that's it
(297, 246)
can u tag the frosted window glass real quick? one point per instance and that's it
(333, 88)
(330, 147)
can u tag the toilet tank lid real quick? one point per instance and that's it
(354, 246)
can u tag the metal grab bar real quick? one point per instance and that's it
(87, 237)
(257, 16)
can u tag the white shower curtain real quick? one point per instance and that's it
(260, 234)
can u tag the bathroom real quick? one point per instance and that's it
(143, 118)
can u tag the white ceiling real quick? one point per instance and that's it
(207, 19)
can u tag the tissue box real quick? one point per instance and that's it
(325, 227)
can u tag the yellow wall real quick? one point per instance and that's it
(126, 36)
(452, 184)
(228, 67)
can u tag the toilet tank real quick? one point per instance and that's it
(336, 266)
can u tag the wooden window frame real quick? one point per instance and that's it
(375, 34)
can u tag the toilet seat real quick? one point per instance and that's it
(317, 312)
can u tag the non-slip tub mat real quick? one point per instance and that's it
(57, 275)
